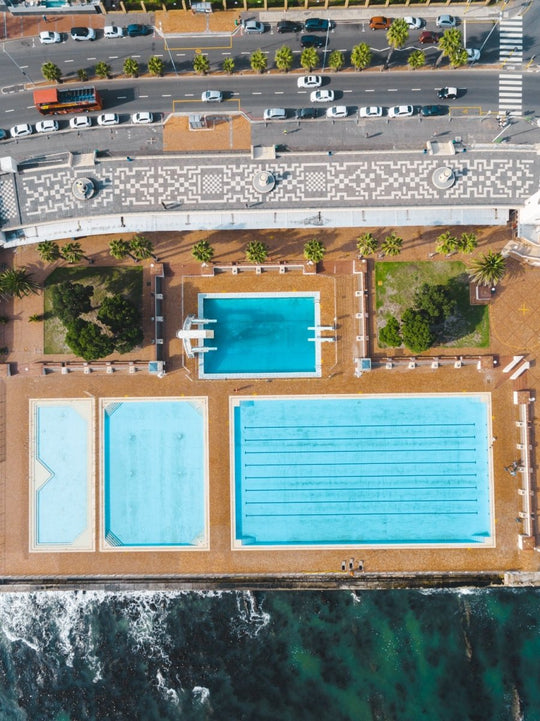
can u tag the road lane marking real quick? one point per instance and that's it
(69, 61)
(143, 96)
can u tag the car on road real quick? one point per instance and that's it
(373, 111)
(113, 31)
(318, 25)
(48, 37)
(143, 118)
(429, 111)
(307, 113)
(473, 55)
(136, 31)
(108, 119)
(19, 131)
(414, 23)
(427, 37)
(322, 96)
(82, 33)
(400, 111)
(312, 41)
(447, 93)
(80, 121)
(309, 81)
(275, 114)
(288, 26)
(253, 26)
(47, 126)
(337, 111)
(446, 21)
(212, 96)
(380, 23)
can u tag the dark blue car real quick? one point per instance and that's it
(135, 31)
(318, 25)
(312, 41)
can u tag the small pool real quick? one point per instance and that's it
(260, 335)
(374, 470)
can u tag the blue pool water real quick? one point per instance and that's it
(369, 470)
(154, 473)
(258, 334)
(61, 449)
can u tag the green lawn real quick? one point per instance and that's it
(396, 284)
(106, 281)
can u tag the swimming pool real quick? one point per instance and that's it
(390, 470)
(260, 335)
(154, 458)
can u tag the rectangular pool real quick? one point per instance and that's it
(370, 470)
(260, 335)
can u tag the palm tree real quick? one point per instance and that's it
(131, 68)
(156, 66)
(73, 253)
(449, 43)
(258, 61)
(487, 269)
(17, 282)
(468, 242)
(309, 59)
(459, 58)
(256, 252)
(51, 72)
(361, 56)
(367, 244)
(396, 35)
(48, 251)
(314, 251)
(201, 64)
(103, 70)
(446, 243)
(82, 75)
(417, 59)
(142, 248)
(336, 60)
(203, 252)
(120, 249)
(228, 66)
(284, 58)
(392, 244)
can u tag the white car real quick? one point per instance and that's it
(473, 55)
(82, 33)
(275, 114)
(80, 121)
(212, 96)
(400, 111)
(414, 23)
(19, 131)
(337, 111)
(309, 81)
(113, 31)
(47, 126)
(49, 37)
(322, 96)
(108, 119)
(446, 21)
(373, 111)
(253, 26)
(142, 118)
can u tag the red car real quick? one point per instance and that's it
(429, 37)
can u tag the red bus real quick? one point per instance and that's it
(55, 101)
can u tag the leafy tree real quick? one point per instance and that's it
(51, 72)
(17, 282)
(258, 61)
(397, 35)
(446, 243)
(71, 300)
(392, 244)
(487, 269)
(156, 66)
(336, 60)
(366, 244)
(120, 249)
(87, 340)
(435, 302)
(203, 252)
(284, 58)
(256, 252)
(309, 59)
(103, 70)
(82, 75)
(228, 66)
(73, 253)
(361, 56)
(131, 68)
(201, 64)
(417, 59)
(124, 321)
(415, 331)
(468, 242)
(142, 248)
(48, 251)
(314, 251)
(389, 335)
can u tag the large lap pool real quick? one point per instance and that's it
(392, 470)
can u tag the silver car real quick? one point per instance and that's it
(212, 96)
(322, 96)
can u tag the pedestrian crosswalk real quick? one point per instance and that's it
(511, 40)
(510, 93)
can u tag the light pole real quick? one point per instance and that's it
(326, 45)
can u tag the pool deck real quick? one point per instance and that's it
(515, 325)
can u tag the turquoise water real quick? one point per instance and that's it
(154, 473)
(258, 335)
(62, 502)
(366, 470)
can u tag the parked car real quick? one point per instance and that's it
(373, 111)
(212, 96)
(322, 96)
(47, 126)
(473, 55)
(427, 37)
(275, 114)
(414, 23)
(337, 111)
(429, 111)
(80, 121)
(446, 21)
(113, 31)
(82, 33)
(380, 23)
(48, 37)
(447, 93)
(108, 119)
(318, 25)
(307, 113)
(309, 81)
(253, 26)
(143, 118)
(400, 111)
(135, 30)
(3, 134)
(19, 131)
(312, 41)
(288, 26)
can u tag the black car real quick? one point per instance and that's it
(307, 113)
(135, 31)
(429, 111)
(288, 26)
(312, 41)
(447, 93)
(318, 25)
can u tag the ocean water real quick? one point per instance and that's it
(371, 655)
